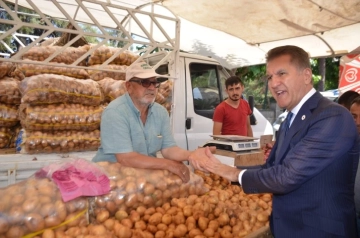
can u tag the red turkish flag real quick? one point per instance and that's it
(349, 73)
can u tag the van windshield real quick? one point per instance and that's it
(206, 87)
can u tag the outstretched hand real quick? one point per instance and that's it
(198, 158)
(213, 165)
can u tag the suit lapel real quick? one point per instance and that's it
(300, 120)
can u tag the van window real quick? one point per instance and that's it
(205, 88)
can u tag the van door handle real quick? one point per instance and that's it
(188, 123)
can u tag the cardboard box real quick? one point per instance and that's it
(255, 157)
(264, 139)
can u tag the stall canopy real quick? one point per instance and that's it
(239, 33)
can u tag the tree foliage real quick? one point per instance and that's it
(331, 70)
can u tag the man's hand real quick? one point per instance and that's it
(136, 160)
(180, 169)
(267, 149)
(198, 158)
(213, 165)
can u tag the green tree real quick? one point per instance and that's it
(331, 73)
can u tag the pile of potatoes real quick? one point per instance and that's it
(103, 53)
(97, 75)
(52, 88)
(60, 117)
(67, 56)
(59, 141)
(223, 212)
(34, 205)
(30, 69)
(133, 208)
(131, 188)
(9, 91)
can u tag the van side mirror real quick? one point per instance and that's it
(252, 116)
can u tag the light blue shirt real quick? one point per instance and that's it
(122, 130)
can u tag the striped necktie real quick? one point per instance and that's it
(283, 130)
(287, 122)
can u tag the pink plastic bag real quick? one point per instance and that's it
(76, 178)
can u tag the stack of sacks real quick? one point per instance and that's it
(113, 83)
(66, 102)
(60, 107)
(40, 53)
(120, 62)
(9, 103)
(60, 114)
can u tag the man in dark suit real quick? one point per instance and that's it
(355, 112)
(311, 168)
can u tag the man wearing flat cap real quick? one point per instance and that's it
(134, 128)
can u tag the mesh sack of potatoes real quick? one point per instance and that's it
(54, 117)
(5, 137)
(97, 75)
(28, 69)
(6, 68)
(52, 88)
(14, 133)
(67, 56)
(9, 91)
(58, 141)
(112, 88)
(132, 188)
(164, 95)
(166, 89)
(35, 205)
(103, 53)
(9, 115)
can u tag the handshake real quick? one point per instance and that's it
(203, 159)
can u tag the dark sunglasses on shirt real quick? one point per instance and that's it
(146, 83)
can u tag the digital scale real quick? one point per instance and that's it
(234, 143)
